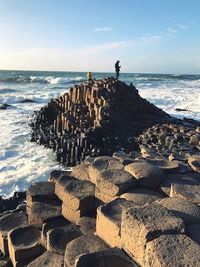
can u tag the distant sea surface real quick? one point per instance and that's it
(23, 162)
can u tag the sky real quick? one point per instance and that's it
(148, 36)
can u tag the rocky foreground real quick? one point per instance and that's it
(136, 209)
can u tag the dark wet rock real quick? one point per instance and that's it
(24, 243)
(82, 245)
(48, 259)
(4, 106)
(58, 238)
(56, 174)
(52, 223)
(105, 258)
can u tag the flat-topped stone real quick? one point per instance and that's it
(102, 198)
(7, 223)
(76, 194)
(108, 223)
(194, 162)
(142, 196)
(52, 223)
(141, 225)
(146, 174)
(177, 178)
(165, 165)
(114, 182)
(172, 250)
(24, 243)
(41, 191)
(48, 259)
(82, 245)
(56, 174)
(148, 153)
(58, 238)
(40, 211)
(105, 258)
(87, 225)
(80, 171)
(101, 164)
(190, 192)
(184, 209)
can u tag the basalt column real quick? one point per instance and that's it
(93, 119)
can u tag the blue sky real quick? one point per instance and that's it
(156, 36)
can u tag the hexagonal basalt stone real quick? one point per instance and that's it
(7, 223)
(194, 162)
(189, 192)
(108, 223)
(24, 243)
(52, 223)
(82, 245)
(105, 258)
(172, 250)
(184, 209)
(87, 225)
(102, 164)
(48, 259)
(59, 237)
(165, 165)
(80, 171)
(42, 191)
(142, 196)
(41, 211)
(146, 174)
(141, 225)
(56, 174)
(114, 182)
(76, 194)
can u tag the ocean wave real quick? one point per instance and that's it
(7, 91)
(22, 99)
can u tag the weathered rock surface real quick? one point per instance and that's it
(165, 165)
(101, 164)
(108, 223)
(76, 194)
(24, 244)
(87, 225)
(7, 223)
(52, 223)
(58, 238)
(40, 211)
(114, 182)
(56, 174)
(39, 192)
(82, 245)
(172, 250)
(189, 192)
(194, 162)
(142, 196)
(146, 174)
(48, 259)
(105, 258)
(186, 210)
(141, 225)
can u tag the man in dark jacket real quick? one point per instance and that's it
(117, 69)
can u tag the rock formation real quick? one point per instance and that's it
(94, 119)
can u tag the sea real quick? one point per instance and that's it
(23, 162)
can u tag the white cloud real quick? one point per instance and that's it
(103, 29)
(182, 26)
(171, 30)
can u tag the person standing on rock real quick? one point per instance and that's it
(117, 69)
(89, 77)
